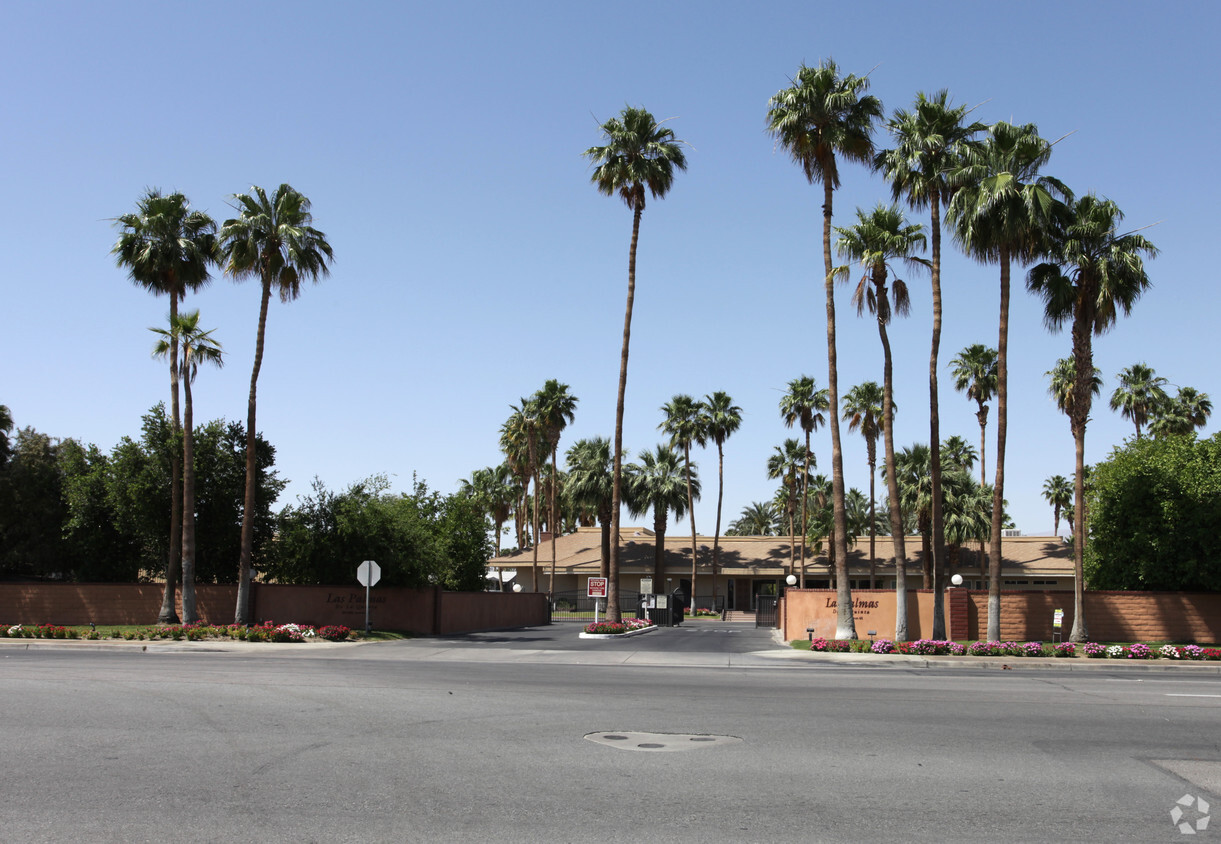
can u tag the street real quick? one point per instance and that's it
(535, 736)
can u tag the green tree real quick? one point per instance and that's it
(721, 419)
(556, 410)
(822, 118)
(974, 371)
(804, 404)
(272, 240)
(1058, 492)
(590, 486)
(660, 482)
(931, 141)
(877, 239)
(639, 156)
(1155, 516)
(863, 408)
(32, 509)
(1182, 414)
(168, 249)
(1000, 214)
(1093, 275)
(6, 428)
(758, 518)
(1140, 391)
(686, 422)
(787, 464)
(198, 346)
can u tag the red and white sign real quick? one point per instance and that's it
(597, 587)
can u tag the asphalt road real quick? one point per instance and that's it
(537, 736)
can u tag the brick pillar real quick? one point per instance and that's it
(958, 601)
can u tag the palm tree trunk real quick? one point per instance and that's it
(998, 489)
(1082, 399)
(189, 614)
(845, 624)
(716, 536)
(612, 592)
(934, 422)
(805, 524)
(242, 614)
(691, 513)
(535, 538)
(873, 584)
(892, 488)
(604, 520)
(659, 546)
(173, 565)
(982, 416)
(555, 482)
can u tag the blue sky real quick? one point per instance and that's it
(440, 145)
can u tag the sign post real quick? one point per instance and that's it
(367, 574)
(596, 588)
(1057, 623)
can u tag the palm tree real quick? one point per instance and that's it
(639, 155)
(168, 249)
(1182, 414)
(1059, 493)
(863, 412)
(1093, 274)
(590, 486)
(721, 418)
(958, 454)
(661, 484)
(914, 481)
(556, 409)
(930, 142)
(494, 491)
(787, 464)
(1140, 391)
(272, 240)
(877, 239)
(974, 371)
(687, 424)
(523, 441)
(198, 346)
(1061, 380)
(804, 403)
(519, 444)
(757, 519)
(822, 118)
(999, 215)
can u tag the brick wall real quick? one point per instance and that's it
(424, 611)
(1025, 615)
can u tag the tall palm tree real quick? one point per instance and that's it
(520, 447)
(974, 371)
(640, 155)
(1093, 274)
(590, 486)
(914, 480)
(272, 240)
(198, 346)
(660, 483)
(1139, 393)
(721, 419)
(556, 409)
(788, 465)
(1061, 380)
(822, 118)
(168, 249)
(686, 422)
(863, 409)
(1000, 215)
(523, 440)
(931, 141)
(805, 404)
(877, 239)
(1059, 493)
(758, 518)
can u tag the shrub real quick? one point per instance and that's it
(1094, 650)
(1139, 650)
(1032, 649)
(1211, 653)
(1065, 649)
(882, 646)
(1170, 652)
(819, 644)
(334, 633)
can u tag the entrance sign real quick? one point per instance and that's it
(1057, 619)
(596, 588)
(368, 573)
(646, 585)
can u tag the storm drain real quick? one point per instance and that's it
(659, 742)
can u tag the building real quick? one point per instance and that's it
(751, 566)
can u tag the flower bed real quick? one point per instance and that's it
(266, 632)
(1092, 650)
(611, 628)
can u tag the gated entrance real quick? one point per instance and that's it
(765, 611)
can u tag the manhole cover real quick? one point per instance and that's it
(660, 742)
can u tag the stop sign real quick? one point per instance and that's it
(368, 573)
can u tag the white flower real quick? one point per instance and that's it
(1115, 650)
(14, 630)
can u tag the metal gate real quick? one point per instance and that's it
(765, 611)
(576, 606)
